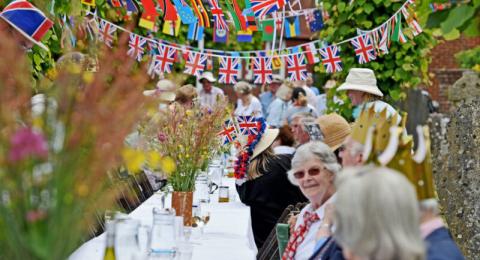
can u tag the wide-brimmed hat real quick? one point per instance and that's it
(266, 141)
(362, 80)
(165, 90)
(277, 79)
(28, 20)
(208, 76)
(335, 129)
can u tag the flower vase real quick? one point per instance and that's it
(182, 203)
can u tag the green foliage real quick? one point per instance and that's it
(469, 59)
(405, 66)
(452, 22)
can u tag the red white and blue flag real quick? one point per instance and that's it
(331, 59)
(229, 70)
(364, 48)
(228, 133)
(195, 63)
(248, 125)
(262, 70)
(218, 16)
(296, 67)
(136, 46)
(163, 61)
(262, 8)
(106, 31)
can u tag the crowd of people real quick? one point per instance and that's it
(354, 210)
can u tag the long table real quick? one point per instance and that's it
(228, 234)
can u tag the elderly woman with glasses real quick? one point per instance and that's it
(314, 167)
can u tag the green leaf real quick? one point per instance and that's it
(452, 35)
(341, 6)
(368, 8)
(473, 28)
(457, 17)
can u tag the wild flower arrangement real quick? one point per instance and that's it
(189, 137)
(54, 157)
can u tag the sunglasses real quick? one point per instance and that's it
(311, 172)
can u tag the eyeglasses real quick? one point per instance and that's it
(311, 172)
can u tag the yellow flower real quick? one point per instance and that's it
(154, 159)
(88, 77)
(82, 190)
(168, 165)
(52, 74)
(476, 67)
(38, 122)
(189, 112)
(133, 159)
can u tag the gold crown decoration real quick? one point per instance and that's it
(423, 168)
(368, 117)
(382, 133)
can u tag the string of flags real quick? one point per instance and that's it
(368, 45)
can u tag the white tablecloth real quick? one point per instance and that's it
(228, 234)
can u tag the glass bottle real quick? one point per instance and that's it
(110, 246)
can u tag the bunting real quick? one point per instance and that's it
(229, 70)
(106, 32)
(364, 49)
(331, 59)
(136, 46)
(163, 62)
(262, 70)
(195, 63)
(296, 67)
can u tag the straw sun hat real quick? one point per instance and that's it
(165, 91)
(266, 141)
(362, 80)
(335, 129)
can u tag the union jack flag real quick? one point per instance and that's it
(262, 70)
(195, 63)
(248, 125)
(228, 133)
(384, 38)
(136, 46)
(331, 59)
(163, 61)
(296, 68)
(364, 48)
(218, 16)
(263, 7)
(229, 69)
(105, 32)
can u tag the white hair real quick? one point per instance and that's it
(376, 214)
(314, 150)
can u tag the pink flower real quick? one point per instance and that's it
(162, 137)
(27, 142)
(35, 215)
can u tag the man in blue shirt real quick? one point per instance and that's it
(268, 96)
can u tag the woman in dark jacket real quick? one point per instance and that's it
(266, 188)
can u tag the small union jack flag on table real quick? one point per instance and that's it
(229, 69)
(195, 63)
(136, 46)
(331, 59)
(228, 133)
(105, 32)
(262, 70)
(248, 125)
(364, 48)
(163, 61)
(297, 68)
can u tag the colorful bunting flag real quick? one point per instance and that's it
(364, 49)
(262, 70)
(331, 59)
(106, 32)
(220, 35)
(268, 28)
(201, 13)
(169, 11)
(88, 2)
(172, 27)
(195, 63)
(195, 32)
(292, 27)
(131, 6)
(237, 16)
(115, 3)
(412, 22)
(228, 133)
(229, 70)
(384, 43)
(397, 33)
(311, 53)
(244, 36)
(218, 16)
(296, 67)
(261, 8)
(136, 46)
(317, 23)
(149, 15)
(163, 62)
(184, 11)
(251, 23)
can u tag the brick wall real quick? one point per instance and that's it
(445, 69)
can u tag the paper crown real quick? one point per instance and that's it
(368, 118)
(28, 20)
(396, 153)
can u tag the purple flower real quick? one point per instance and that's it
(27, 142)
(162, 137)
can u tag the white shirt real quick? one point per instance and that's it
(306, 248)
(210, 99)
(311, 97)
(276, 112)
(254, 108)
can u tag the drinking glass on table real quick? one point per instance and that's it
(163, 238)
(127, 239)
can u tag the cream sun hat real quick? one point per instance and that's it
(361, 79)
(208, 76)
(335, 129)
(164, 90)
(266, 141)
